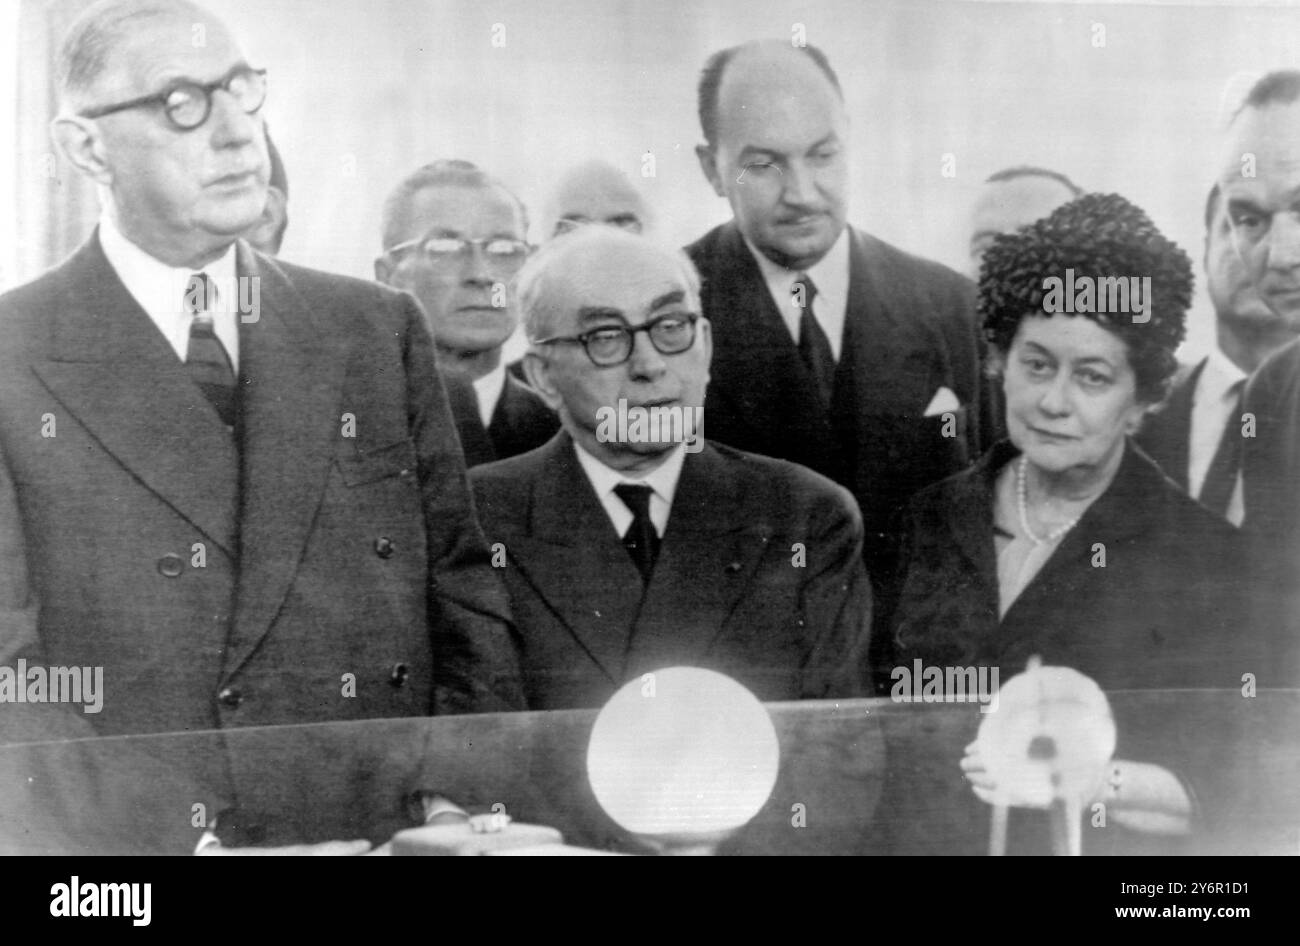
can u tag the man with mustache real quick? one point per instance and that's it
(628, 552)
(247, 515)
(833, 349)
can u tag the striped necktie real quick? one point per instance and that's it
(205, 357)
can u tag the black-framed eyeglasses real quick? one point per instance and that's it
(187, 104)
(444, 250)
(612, 344)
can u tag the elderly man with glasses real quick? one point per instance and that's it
(628, 552)
(231, 483)
(455, 239)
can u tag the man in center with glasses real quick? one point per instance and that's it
(245, 518)
(455, 238)
(626, 555)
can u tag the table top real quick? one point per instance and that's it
(856, 777)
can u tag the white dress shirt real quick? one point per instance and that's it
(1214, 407)
(662, 479)
(488, 390)
(160, 290)
(830, 275)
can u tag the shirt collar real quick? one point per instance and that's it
(830, 274)
(1219, 375)
(489, 389)
(159, 289)
(662, 479)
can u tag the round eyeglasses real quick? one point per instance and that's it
(612, 344)
(187, 104)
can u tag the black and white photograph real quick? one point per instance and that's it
(744, 427)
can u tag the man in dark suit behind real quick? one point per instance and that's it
(739, 563)
(1196, 437)
(833, 349)
(1267, 237)
(231, 483)
(455, 238)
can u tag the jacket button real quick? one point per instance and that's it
(384, 547)
(171, 565)
(230, 696)
(399, 675)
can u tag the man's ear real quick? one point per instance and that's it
(81, 142)
(383, 270)
(709, 165)
(537, 371)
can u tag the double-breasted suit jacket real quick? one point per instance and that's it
(320, 562)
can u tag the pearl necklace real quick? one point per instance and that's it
(1022, 504)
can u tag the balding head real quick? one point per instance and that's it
(584, 259)
(1014, 198)
(595, 192)
(93, 45)
(758, 52)
(163, 112)
(776, 132)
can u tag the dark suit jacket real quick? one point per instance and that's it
(1271, 460)
(909, 330)
(724, 593)
(329, 567)
(1271, 481)
(521, 421)
(1166, 610)
(1166, 435)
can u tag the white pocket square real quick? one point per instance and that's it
(942, 402)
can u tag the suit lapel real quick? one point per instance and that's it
(754, 357)
(112, 369)
(575, 561)
(708, 558)
(972, 517)
(475, 441)
(292, 378)
(888, 359)
(1167, 435)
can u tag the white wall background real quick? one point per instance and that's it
(363, 92)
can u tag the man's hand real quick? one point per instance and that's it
(324, 849)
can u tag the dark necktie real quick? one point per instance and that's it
(205, 356)
(1221, 478)
(641, 540)
(814, 346)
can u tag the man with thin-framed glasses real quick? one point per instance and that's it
(233, 511)
(632, 543)
(455, 238)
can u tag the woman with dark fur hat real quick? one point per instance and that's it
(1065, 541)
